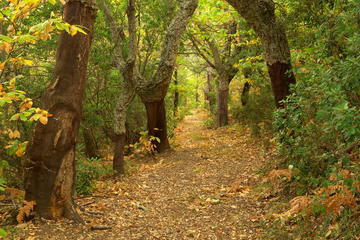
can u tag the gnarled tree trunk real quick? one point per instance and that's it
(50, 167)
(260, 14)
(152, 91)
(127, 69)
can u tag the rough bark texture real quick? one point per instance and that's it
(157, 124)
(222, 106)
(260, 14)
(152, 91)
(118, 160)
(50, 167)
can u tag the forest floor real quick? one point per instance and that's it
(201, 189)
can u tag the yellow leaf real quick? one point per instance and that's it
(20, 152)
(28, 62)
(73, 30)
(43, 119)
(14, 134)
(2, 66)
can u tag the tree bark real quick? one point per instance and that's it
(118, 161)
(260, 14)
(50, 167)
(156, 116)
(222, 107)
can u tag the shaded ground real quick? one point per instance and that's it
(199, 190)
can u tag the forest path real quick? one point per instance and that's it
(199, 190)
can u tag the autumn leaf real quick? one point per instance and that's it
(14, 134)
(5, 47)
(43, 119)
(25, 211)
(73, 30)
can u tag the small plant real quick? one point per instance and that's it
(88, 171)
(146, 143)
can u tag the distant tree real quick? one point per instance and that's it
(223, 60)
(50, 167)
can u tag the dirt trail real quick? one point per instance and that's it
(199, 190)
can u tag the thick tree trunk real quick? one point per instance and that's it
(118, 161)
(281, 79)
(260, 14)
(91, 147)
(157, 127)
(50, 167)
(222, 108)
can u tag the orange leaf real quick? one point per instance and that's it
(43, 119)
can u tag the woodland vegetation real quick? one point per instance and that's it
(91, 90)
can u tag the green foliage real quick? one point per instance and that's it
(87, 172)
(322, 119)
(257, 113)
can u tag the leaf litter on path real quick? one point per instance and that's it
(199, 190)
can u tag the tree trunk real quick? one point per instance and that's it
(153, 91)
(222, 106)
(260, 14)
(50, 167)
(91, 147)
(176, 93)
(118, 160)
(157, 127)
(281, 79)
(127, 68)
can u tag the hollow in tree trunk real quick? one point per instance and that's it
(50, 167)
(157, 127)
